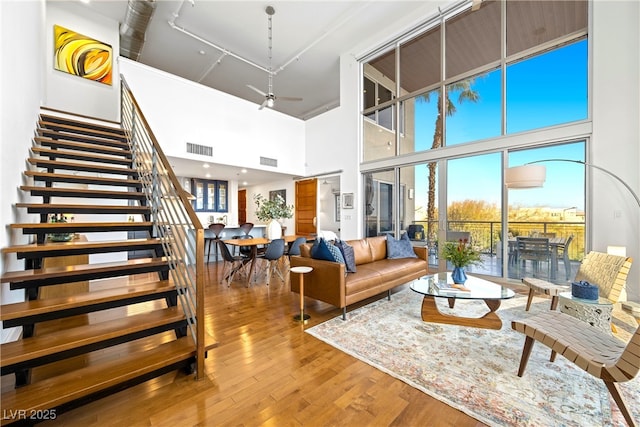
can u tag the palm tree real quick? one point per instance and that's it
(466, 94)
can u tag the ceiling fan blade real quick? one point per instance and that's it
(262, 105)
(289, 98)
(257, 90)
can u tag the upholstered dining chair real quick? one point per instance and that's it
(216, 229)
(591, 349)
(608, 272)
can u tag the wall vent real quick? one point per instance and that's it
(265, 161)
(203, 150)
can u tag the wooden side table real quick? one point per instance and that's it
(595, 312)
(301, 271)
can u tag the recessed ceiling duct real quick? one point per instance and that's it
(134, 26)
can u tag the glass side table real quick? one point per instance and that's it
(595, 312)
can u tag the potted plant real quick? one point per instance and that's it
(460, 254)
(271, 211)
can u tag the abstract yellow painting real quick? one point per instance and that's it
(82, 56)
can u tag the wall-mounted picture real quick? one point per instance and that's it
(82, 56)
(276, 193)
(347, 201)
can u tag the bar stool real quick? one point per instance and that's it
(216, 229)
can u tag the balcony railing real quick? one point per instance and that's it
(486, 234)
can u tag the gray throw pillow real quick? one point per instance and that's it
(400, 248)
(348, 254)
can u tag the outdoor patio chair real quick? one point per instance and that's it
(536, 250)
(593, 350)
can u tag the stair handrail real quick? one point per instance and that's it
(174, 219)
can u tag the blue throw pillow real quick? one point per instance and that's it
(400, 248)
(320, 250)
(348, 254)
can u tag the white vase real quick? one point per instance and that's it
(274, 230)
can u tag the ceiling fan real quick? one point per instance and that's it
(269, 96)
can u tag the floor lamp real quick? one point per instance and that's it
(531, 175)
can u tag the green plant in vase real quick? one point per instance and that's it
(59, 237)
(271, 211)
(460, 254)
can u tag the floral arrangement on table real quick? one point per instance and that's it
(460, 253)
(267, 210)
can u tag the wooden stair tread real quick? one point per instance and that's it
(51, 118)
(64, 128)
(80, 155)
(80, 245)
(64, 208)
(54, 392)
(84, 179)
(41, 306)
(71, 226)
(82, 138)
(39, 346)
(82, 192)
(86, 167)
(81, 146)
(75, 270)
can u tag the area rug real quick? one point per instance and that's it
(475, 370)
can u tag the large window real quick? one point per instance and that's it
(466, 109)
(544, 72)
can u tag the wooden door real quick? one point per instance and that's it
(305, 206)
(242, 206)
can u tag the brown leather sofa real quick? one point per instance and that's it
(329, 282)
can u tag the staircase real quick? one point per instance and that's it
(141, 324)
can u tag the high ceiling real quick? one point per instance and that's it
(308, 39)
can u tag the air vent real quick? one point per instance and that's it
(202, 150)
(265, 161)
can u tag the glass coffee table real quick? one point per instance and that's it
(440, 285)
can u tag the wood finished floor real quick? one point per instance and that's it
(266, 371)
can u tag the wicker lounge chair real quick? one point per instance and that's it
(609, 272)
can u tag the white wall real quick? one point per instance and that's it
(21, 90)
(72, 93)
(181, 111)
(286, 184)
(616, 130)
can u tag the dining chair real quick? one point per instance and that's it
(235, 263)
(273, 254)
(294, 249)
(216, 229)
(534, 249)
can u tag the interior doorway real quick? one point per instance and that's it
(305, 206)
(242, 206)
(329, 206)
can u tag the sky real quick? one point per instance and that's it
(544, 90)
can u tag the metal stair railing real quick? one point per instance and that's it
(174, 220)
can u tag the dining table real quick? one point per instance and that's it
(555, 244)
(253, 243)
